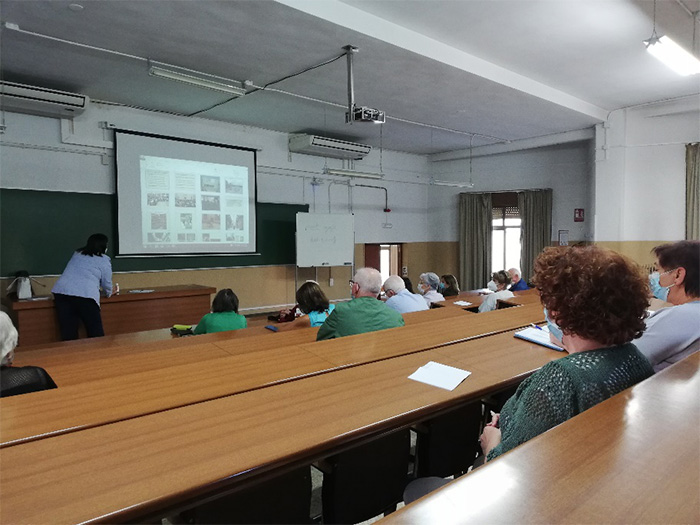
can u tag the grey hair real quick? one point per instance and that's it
(431, 279)
(394, 283)
(369, 280)
(516, 271)
(8, 338)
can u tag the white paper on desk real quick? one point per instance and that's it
(462, 303)
(441, 376)
(141, 291)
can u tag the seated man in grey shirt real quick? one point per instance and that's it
(401, 299)
(674, 333)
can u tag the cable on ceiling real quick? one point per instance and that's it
(16, 28)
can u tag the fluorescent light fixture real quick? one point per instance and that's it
(230, 87)
(673, 55)
(435, 182)
(351, 173)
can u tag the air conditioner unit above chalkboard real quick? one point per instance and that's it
(327, 147)
(21, 98)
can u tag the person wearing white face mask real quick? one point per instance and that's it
(428, 286)
(674, 333)
(498, 284)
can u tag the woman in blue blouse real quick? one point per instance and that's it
(77, 291)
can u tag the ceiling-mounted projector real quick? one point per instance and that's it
(357, 113)
(365, 114)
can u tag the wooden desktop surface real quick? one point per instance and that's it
(132, 469)
(634, 458)
(88, 404)
(132, 382)
(400, 341)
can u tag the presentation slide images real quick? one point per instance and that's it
(211, 202)
(210, 184)
(185, 200)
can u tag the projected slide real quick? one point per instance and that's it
(181, 197)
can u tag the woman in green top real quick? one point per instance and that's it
(598, 298)
(224, 316)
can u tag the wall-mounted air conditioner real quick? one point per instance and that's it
(21, 98)
(327, 147)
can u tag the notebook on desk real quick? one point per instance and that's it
(538, 336)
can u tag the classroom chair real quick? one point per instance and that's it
(367, 480)
(284, 499)
(448, 444)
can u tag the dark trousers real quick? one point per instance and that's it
(71, 310)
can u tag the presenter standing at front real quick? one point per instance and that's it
(77, 291)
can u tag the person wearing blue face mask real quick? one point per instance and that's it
(674, 333)
(599, 334)
(448, 285)
(658, 291)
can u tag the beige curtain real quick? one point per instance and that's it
(535, 208)
(692, 192)
(475, 221)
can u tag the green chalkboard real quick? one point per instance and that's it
(40, 229)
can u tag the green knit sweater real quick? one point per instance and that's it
(564, 388)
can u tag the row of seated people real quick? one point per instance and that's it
(596, 300)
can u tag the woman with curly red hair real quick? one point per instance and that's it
(598, 298)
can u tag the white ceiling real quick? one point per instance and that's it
(506, 69)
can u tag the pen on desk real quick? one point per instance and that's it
(535, 326)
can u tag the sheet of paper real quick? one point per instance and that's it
(141, 291)
(439, 375)
(462, 303)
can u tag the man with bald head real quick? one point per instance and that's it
(400, 299)
(518, 284)
(364, 313)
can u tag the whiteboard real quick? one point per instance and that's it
(325, 239)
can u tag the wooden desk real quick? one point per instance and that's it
(133, 469)
(104, 401)
(127, 312)
(634, 458)
(132, 381)
(368, 347)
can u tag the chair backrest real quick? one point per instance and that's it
(448, 444)
(367, 480)
(23, 380)
(283, 499)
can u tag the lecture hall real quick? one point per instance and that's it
(349, 261)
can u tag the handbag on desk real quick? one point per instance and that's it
(21, 286)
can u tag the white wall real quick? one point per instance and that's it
(640, 171)
(565, 168)
(76, 156)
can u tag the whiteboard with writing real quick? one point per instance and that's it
(325, 239)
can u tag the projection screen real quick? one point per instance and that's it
(182, 197)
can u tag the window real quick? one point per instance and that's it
(505, 233)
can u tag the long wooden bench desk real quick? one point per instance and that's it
(96, 359)
(88, 360)
(134, 469)
(127, 312)
(148, 382)
(634, 458)
(47, 354)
